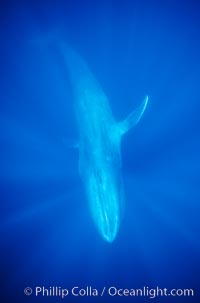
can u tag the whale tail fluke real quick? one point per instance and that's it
(134, 117)
(47, 39)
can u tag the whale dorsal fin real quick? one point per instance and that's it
(133, 118)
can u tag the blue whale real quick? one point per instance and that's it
(99, 144)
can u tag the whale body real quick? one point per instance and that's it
(99, 144)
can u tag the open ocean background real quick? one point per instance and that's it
(47, 237)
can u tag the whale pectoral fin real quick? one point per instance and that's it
(76, 145)
(70, 144)
(134, 117)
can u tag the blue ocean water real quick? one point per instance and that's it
(134, 48)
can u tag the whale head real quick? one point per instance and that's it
(105, 195)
